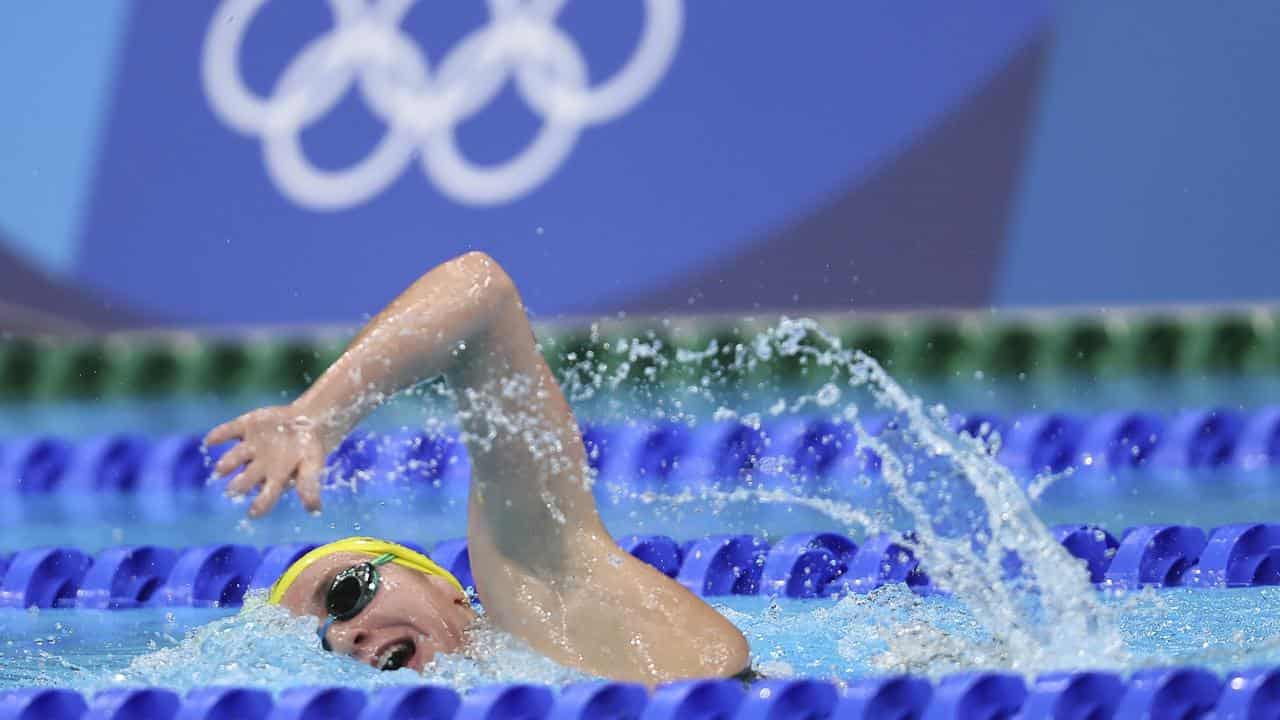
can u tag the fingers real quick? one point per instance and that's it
(233, 430)
(269, 495)
(271, 483)
(308, 482)
(235, 457)
(248, 479)
(273, 455)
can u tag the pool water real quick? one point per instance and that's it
(969, 514)
(92, 522)
(888, 631)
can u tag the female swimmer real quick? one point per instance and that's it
(545, 568)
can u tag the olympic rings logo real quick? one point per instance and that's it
(421, 105)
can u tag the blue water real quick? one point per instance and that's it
(890, 630)
(198, 413)
(91, 522)
(943, 486)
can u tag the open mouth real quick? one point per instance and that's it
(396, 656)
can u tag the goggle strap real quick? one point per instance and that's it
(323, 631)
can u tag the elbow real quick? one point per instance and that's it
(739, 654)
(488, 277)
(727, 654)
(476, 260)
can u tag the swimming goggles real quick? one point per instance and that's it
(372, 547)
(351, 592)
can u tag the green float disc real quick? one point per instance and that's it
(1154, 346)
(939, 349)
(221, 366)
(1084, 346)
(1013, 350)
(1231, 343)
(19, 367)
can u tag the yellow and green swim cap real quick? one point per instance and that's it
(373, 547)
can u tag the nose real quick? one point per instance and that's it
(347, 638)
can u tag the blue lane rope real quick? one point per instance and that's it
(1170, 692)
(804, 565)
(675, 457)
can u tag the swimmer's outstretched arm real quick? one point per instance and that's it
(545, 567)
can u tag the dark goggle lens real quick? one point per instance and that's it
(350, 592)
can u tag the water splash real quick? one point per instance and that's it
(265, 646)
(892, 630)
(1029, 604)
(975, 530)
(889, 630)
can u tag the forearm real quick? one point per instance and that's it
(421, 334)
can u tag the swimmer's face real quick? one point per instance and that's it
(412, 616)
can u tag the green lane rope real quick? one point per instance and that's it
(934, 348)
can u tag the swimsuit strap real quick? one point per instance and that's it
(748, 676)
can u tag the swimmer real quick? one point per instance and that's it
(545, 568)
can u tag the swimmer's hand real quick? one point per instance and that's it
(279, 448)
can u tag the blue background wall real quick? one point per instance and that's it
(1154, 169)
(831, 154)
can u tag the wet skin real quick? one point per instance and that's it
(544, 565)
(412, 616)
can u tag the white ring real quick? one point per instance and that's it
(422, 108)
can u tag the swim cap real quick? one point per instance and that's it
(372, 547)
